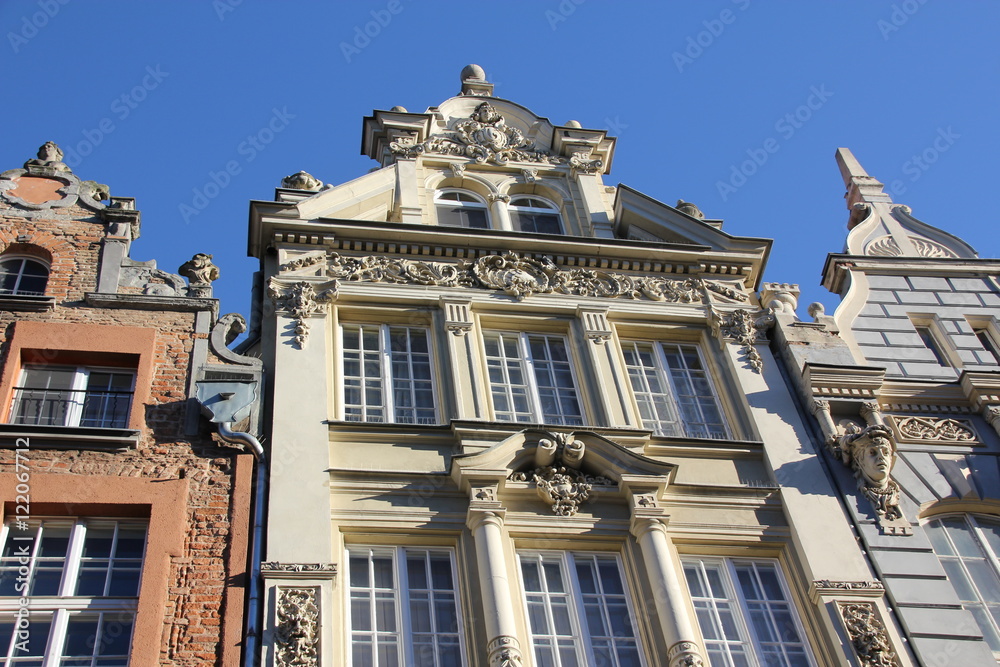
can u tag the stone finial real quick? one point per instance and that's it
(474, 82)
(302, 180)
(816, 310)
(575, 124)
(49, 157)
(200, 271)
(782, 298)
(690, 209)
(398, 109)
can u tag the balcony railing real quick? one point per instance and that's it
(71, 407)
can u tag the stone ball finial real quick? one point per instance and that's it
(473, 72)
(398, 109)
(816, 310)
(575, 124)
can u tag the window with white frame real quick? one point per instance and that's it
(73, 396)
(578, 610)
(24, 276)
(745, 613)
(968, 547)
(531, 379)
(387, 374)
(81, 580)
(673, 390)
(403, 608)
(460, 208)
(534, 214)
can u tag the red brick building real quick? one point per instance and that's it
(127, 520)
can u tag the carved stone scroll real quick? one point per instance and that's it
(521, 277)
(561, 483)
(746, 328)
(868, 635)
(296, 633)
(301, 300)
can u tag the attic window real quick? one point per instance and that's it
(23, 276)
(460, 208)
(534, 214)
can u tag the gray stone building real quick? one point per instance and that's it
(903, 381)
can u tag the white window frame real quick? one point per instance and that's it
(989, 554)
(66, 604)
(665, 377)
(528, 372)
(385, 368)
(78, 389)
(513, 208)
(479, 204)
(578, 621)
(404, 624)
(25, 259)
(748, 637)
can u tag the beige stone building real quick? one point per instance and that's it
(520, 416)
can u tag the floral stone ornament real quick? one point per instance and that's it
(557, 474)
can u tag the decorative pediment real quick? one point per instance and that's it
(564, 469)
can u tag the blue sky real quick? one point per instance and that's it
(157, 99)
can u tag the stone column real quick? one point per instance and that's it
(485, 520)
(649, 526)
(499, 212)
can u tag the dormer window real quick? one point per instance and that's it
(23, 276)
(534, 214)
(460, 208)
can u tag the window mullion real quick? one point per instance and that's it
(71, 570)
(57, 638)
(74, 408)
(578, 617)
(403, 620)
(749, 634)
(531, 379)
(385, 371)
(667, 378)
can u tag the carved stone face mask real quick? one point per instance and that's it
(875, 461)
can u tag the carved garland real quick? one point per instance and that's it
(867, 634)
(521, 277)
(296, 635)
(746, 328)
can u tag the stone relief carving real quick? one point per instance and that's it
(201, 272)
(685, 654)
(521, 277)
(886, 246)
(581, 161)
(225, 331)
(529, 175)
(871, 453)
(867, 634)
(936, 430)
(504, 651)
(300, 300)
(557, 475)
(94, 190)
(303, 262)
(275, 566)
(849, 585)
(296, 632)
(484, 136)
(745, 327)
(151, 280)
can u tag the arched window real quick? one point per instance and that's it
(968, 547)
(460, 208)
(534, 214)
(25, 276)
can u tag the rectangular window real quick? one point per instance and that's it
(578, 610)
(931, 344)
(744, 614)
(403, 608)
(82, 581)
(531, 379)
(387, 374)
(990, 345)
(68, 396)
(673, 390)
